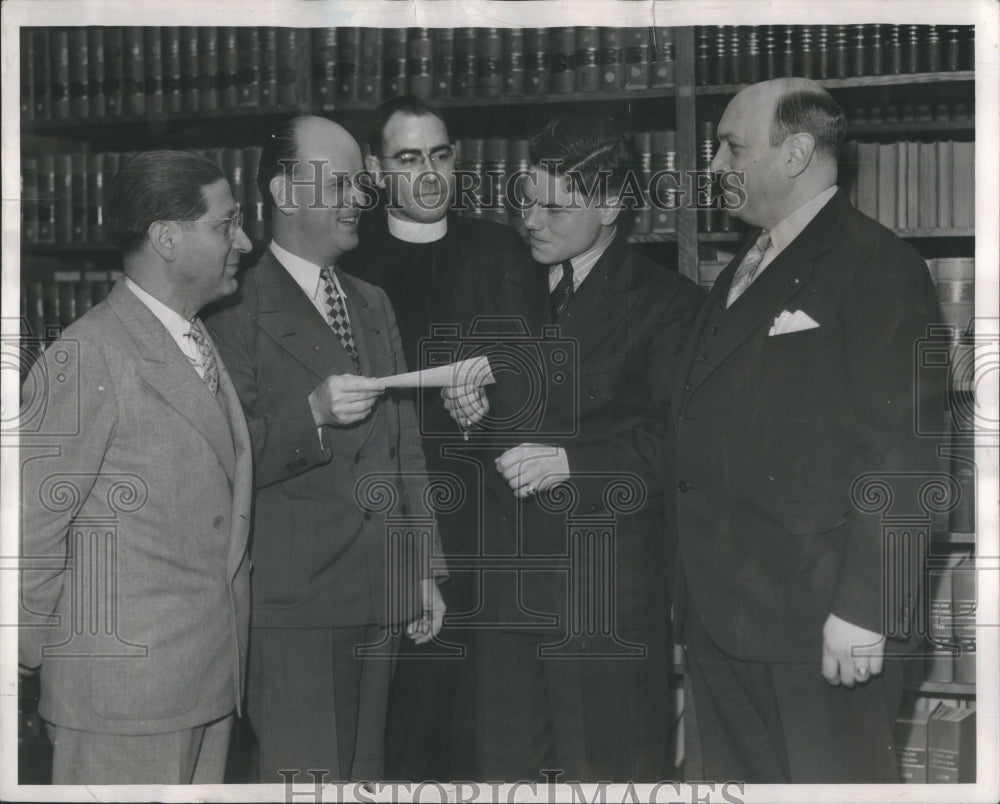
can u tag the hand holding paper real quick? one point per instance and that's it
(475, 371)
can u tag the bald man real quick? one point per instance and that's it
(798, 378)
(303, 343)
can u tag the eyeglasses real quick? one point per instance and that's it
(233, 223)
(437, 158)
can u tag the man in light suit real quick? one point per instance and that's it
(799, 378)
(303, 343)
(136, 487)
(598, 708)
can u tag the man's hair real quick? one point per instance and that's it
(281, 145)
(156, 186)
(583, 146)
(405, 104)
(810, 112)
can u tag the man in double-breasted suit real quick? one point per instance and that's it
(136, 488)
(336, 459)
(799, 378)
(577, 473)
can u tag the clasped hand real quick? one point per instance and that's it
(466, 404)
(851, 654)
(344, 399)
(529, 468)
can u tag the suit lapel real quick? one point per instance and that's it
(291, 320)
(242, 483)
(370, 340)
(785, 277)
(168, 372)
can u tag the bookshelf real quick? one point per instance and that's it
(93, 92)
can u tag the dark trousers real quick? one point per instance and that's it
(419, 728)
(188, 756)
(593, 719)
(315, 705)
(783, 723)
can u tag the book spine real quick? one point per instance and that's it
(443, 41)
(232, 166)
(770, 52)
(662, 73)
(229, 68)
(370, 78)
(41, 69)
(952, 50)
(51, 315)
(492, 185)
(269, 66)
(63, 200)
(490, 63)
(876, 51)
(324, 54)
(79, 58)
(518, 158)
(395, 68)
(471, 153)
(840, 55)
(465, 67)
(95, 198)
(170, 44)
(29, 199)
(911, 748)
(78, 197)
(887, 182)
(208, 68)
(750, 63)
(612, 59)
(964, 606)
(822, 51)
(133, 72)
(721, 63)
(153, 58)
(729, 51)
(894, 51)
(927, 201)
(588, 45)
(83, 300)
(190, 65)
(420, 64)
(944, 184)
(253, 213)
(642, 216)
(26, 58)
(807, 53)
(536, 61)
(932, 49)
(963, 184)
(912, 185)
(562, 61)
(703, 195)
(788, 53)
(858, 64)
(903, 167)
(59, 72)
(512, 45)
(663, 148)
(113, 70)
(911, 50)
(248, 46)
(66, 289)
(35, 293)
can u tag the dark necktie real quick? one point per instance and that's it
(209, 365)
(748, 268)
(559, 298)
(336, 314)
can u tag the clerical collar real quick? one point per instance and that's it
(414, 232)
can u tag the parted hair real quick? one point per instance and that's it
(582, 146)
(156, 186)
(406, 104)
(811, 112)
(280, 146)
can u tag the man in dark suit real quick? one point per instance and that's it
(136, 485)
(338, 462)
(573, 656)
(429, 261)
(799, 378)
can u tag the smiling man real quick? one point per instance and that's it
(136, 511)
(596, 715)
(303, 342)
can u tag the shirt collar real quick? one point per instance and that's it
(584, 262)
(416, 232)
(305, 273)
(790, 227)
(177, 325)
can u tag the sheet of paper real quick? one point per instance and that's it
(473, 371)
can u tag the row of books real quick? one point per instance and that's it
(63, 193)
(955, 280)
(97, 72)
(913, 185)
(936, 742)
(951, 654)
(49, 305)
(740, 54)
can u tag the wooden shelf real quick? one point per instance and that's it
(945, 688)
(664, 237)
(890, 129)
(951, 232)
(866, 81)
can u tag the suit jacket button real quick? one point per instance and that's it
(683, 487)
(688, 388)
(218, 522)
(699, 358)
(592, 393)
(392, 452)
(715, 330)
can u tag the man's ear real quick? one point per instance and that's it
(163, 238)
(374, 166)
(611, 211)
(798, 153)
(279, 191)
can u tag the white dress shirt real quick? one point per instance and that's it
(416, 232)
(306, 276)
(791, 226)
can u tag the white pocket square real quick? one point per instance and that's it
(789, 322)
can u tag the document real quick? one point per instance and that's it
(473, 371)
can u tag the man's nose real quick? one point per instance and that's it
(242, 243)
(532, 218)
(719, 162)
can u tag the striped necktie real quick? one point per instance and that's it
(747, 271)
(559, 297)
(209, 365)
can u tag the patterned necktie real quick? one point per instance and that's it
(209, 365)
(336, 314)
(559, 297)
(747, 271)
